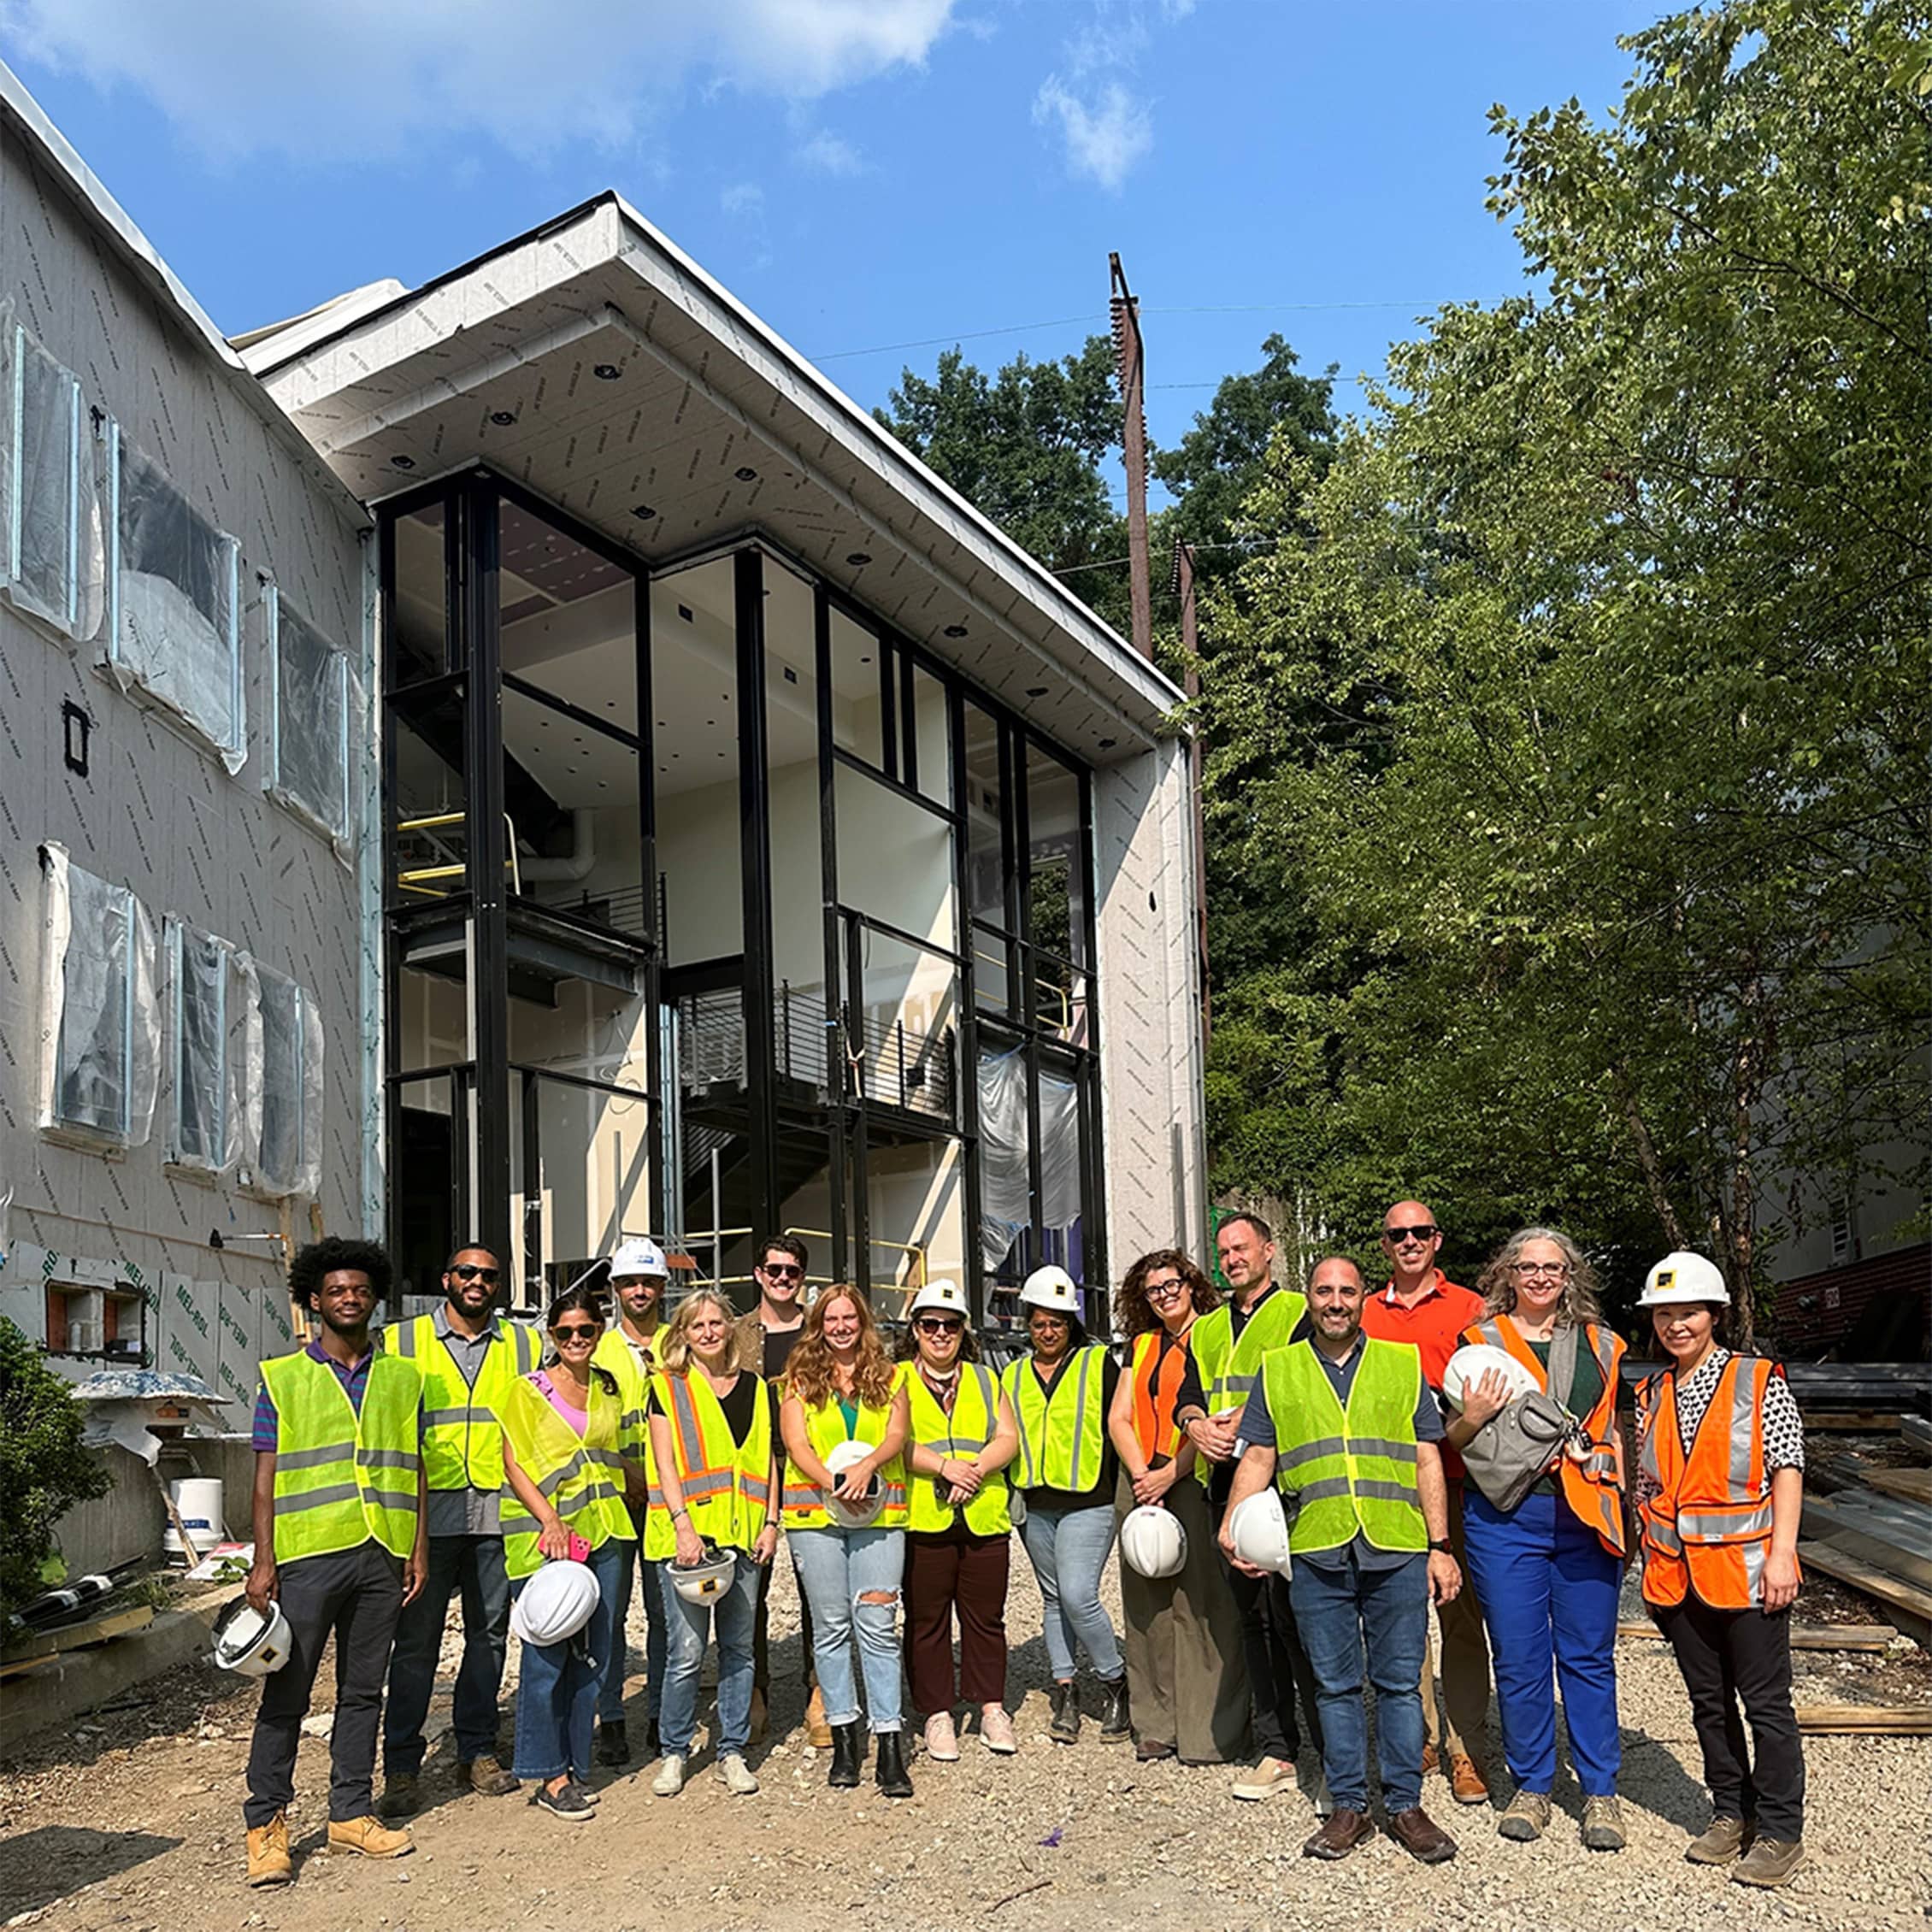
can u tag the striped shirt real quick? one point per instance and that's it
(354, 1378)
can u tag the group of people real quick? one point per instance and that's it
(453, 1456)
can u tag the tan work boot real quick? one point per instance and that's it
(1466, 1785)
(818, 1732)
(1723, 1841)
(1771, 1861)
(1603, 1823)
(268, 1860)
(369, 1837)
(487, 1778)
(1270, 1775)
(1526, 1818)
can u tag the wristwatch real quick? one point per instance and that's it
(1443, 1545)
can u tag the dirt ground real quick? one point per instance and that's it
(131, 1820)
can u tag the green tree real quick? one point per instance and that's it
(45, 1467)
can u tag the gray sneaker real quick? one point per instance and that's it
(1603, 1824)
(1526, 1818)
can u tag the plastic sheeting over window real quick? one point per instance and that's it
(312, 723)
(100, 1024)
(282, 1093)
(175, 595)
(204, 1119)
(1005, 1184)
(52, 564)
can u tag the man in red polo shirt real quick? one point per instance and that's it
(1419, 1304)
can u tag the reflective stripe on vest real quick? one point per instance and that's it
(342, 1477)
(1145, 1376)
(1061, 1436)
(727, 1485)
(463, 1437)
(1229, 1365)
(581, 1478)
(1593, 1488)
(1708, 1525)
(960, 1435)
(1359, 1471)
(614, 1352)
(803, 1501)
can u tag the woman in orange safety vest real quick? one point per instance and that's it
(1720, 1491)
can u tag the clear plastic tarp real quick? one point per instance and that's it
(1005, 1187)
(313, 722)
(100, 1022)
(282, 1087)
(176, 598)
(52, 561)
(205, 1120)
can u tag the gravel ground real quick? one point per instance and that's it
(131, 1820)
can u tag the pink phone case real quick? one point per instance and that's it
(580, 1550)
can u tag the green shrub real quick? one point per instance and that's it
(45, 1469)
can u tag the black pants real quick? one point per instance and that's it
(472, 1566)
(1730, 1657)
(355, 1597)
(760, 1637)
(1278, 1667)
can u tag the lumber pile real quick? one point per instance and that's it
(1874, 1720)
(37, 1647)
(1871, 1527)
(1873, 1638)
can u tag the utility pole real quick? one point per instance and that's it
(1130, 354)
(1190, 654)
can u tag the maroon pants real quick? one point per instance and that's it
(948, 1571)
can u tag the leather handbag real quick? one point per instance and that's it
(1520, 1444)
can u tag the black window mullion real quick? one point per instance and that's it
(828, 913)
(754, 797)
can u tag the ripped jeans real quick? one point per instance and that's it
(840, 1569)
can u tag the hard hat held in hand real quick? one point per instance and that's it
(1472, 1362)
(1260, 1531)
(556, 1604)
(255, 1642)
(1683, 1277)
(1052, 1288)
(947, 1297)
(706, 1580)
(638, 1257)
(854, 1515)
(1153, 1542)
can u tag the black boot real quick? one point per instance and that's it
(848, 1753)
(889, 1765)
(1115, 1725)
(1064, 1728)
(613, 1746)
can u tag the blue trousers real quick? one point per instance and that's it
(1548, 1590)
(735, 1615)
(1067, 1550)
(473, 1566)
(556, 1689)
(610, 1696)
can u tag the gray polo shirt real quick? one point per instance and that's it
(466, 1512)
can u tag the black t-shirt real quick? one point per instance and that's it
(778, 1345)
(1042, 1497)
(739, 1402)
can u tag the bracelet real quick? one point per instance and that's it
(680, 1515)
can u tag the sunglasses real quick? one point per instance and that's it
(577, 1331)
(787, 1273)
(1423, 1232)
(468, 1271)
(936, 1325)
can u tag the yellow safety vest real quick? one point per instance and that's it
(1347, 1471)
(803, 1501)
(463, 1440)
(960, 1435)
(614, 1352)
(581, 1478)
(1230, 1366)
(727, 1485)
(343, 1477)
(1062, 1435)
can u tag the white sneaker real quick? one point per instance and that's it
(942, 1740)
(738, 1777)
(669, 1780)
(1270, 1775)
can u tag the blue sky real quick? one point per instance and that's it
(863, 172)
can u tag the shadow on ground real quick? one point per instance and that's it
(53, 1860)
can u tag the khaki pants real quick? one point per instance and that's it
(1461, 1675)
(1186, 1683)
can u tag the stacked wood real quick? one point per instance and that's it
(1879, 1720)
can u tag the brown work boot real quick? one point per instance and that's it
(487, 1778)
(400, 1797)
(268, 1860)
(1722, 1843)
(1340, 1835)
(818, 1732)
(369, 1837)
(1771, 1861)
(1422, 1837)
(1466, 1785)
(1431, 1759)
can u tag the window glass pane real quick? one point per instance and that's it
(285, 1106)
(1006, 1157)
(201, 967)
(1062, 1171)
(906, 1001)
(798, 874)
(857, 724)
(917, 1210)
(428, 1180)
(91, 1076)
(568, 617)
(995, 984)
(895, 858)
(931, 760)
(51, 560)
(311, 722)
(989, 882)
(428, 795)
(594, 1174)
(1056, 875)
(419, 624)
(572, 1027)
(431, 1002)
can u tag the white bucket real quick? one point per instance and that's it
(198, 1499)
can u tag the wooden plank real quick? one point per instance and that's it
(1878, 1542)
(1871, 1637)
(1915, 1485)
(1853, 1422)
(77, 1636)
(1881, 1720)
(1917, 1432)
(1835, 1561)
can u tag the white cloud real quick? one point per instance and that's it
(743, 197)
(1105, 135)
(827, 153)
(357, 78)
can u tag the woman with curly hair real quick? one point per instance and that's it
(1187, 1688)
(1548, 1571)
(840, 1386)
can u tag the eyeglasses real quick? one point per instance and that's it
(468, 1271)
(1395, 1236)
(1550, 1270)
(577, 1331)
(938, 1325)
(1163, 1291)
(786, 1272)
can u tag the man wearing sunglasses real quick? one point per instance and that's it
(468, 1357)
(1420, 1305)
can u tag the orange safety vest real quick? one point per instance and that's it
(1708, 1528)
(1593, 1487)
(1155, 1389)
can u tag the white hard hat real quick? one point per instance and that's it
(1472, 1362)
(709, 1578)
(1682, 1277)
(255, 1642)
(638, 1257)
(854, 1515)
(1153, 1542)
(1260, 1531)
(556, 1603)
(1052, 1288)
(946, 1296)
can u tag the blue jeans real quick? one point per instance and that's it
(1549, 1591)
(1067, 1550)
(556, 1694)
(610, 1697)
(690, 1631)
(840, 1568)
(1334, 1611)
(474, 1566)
